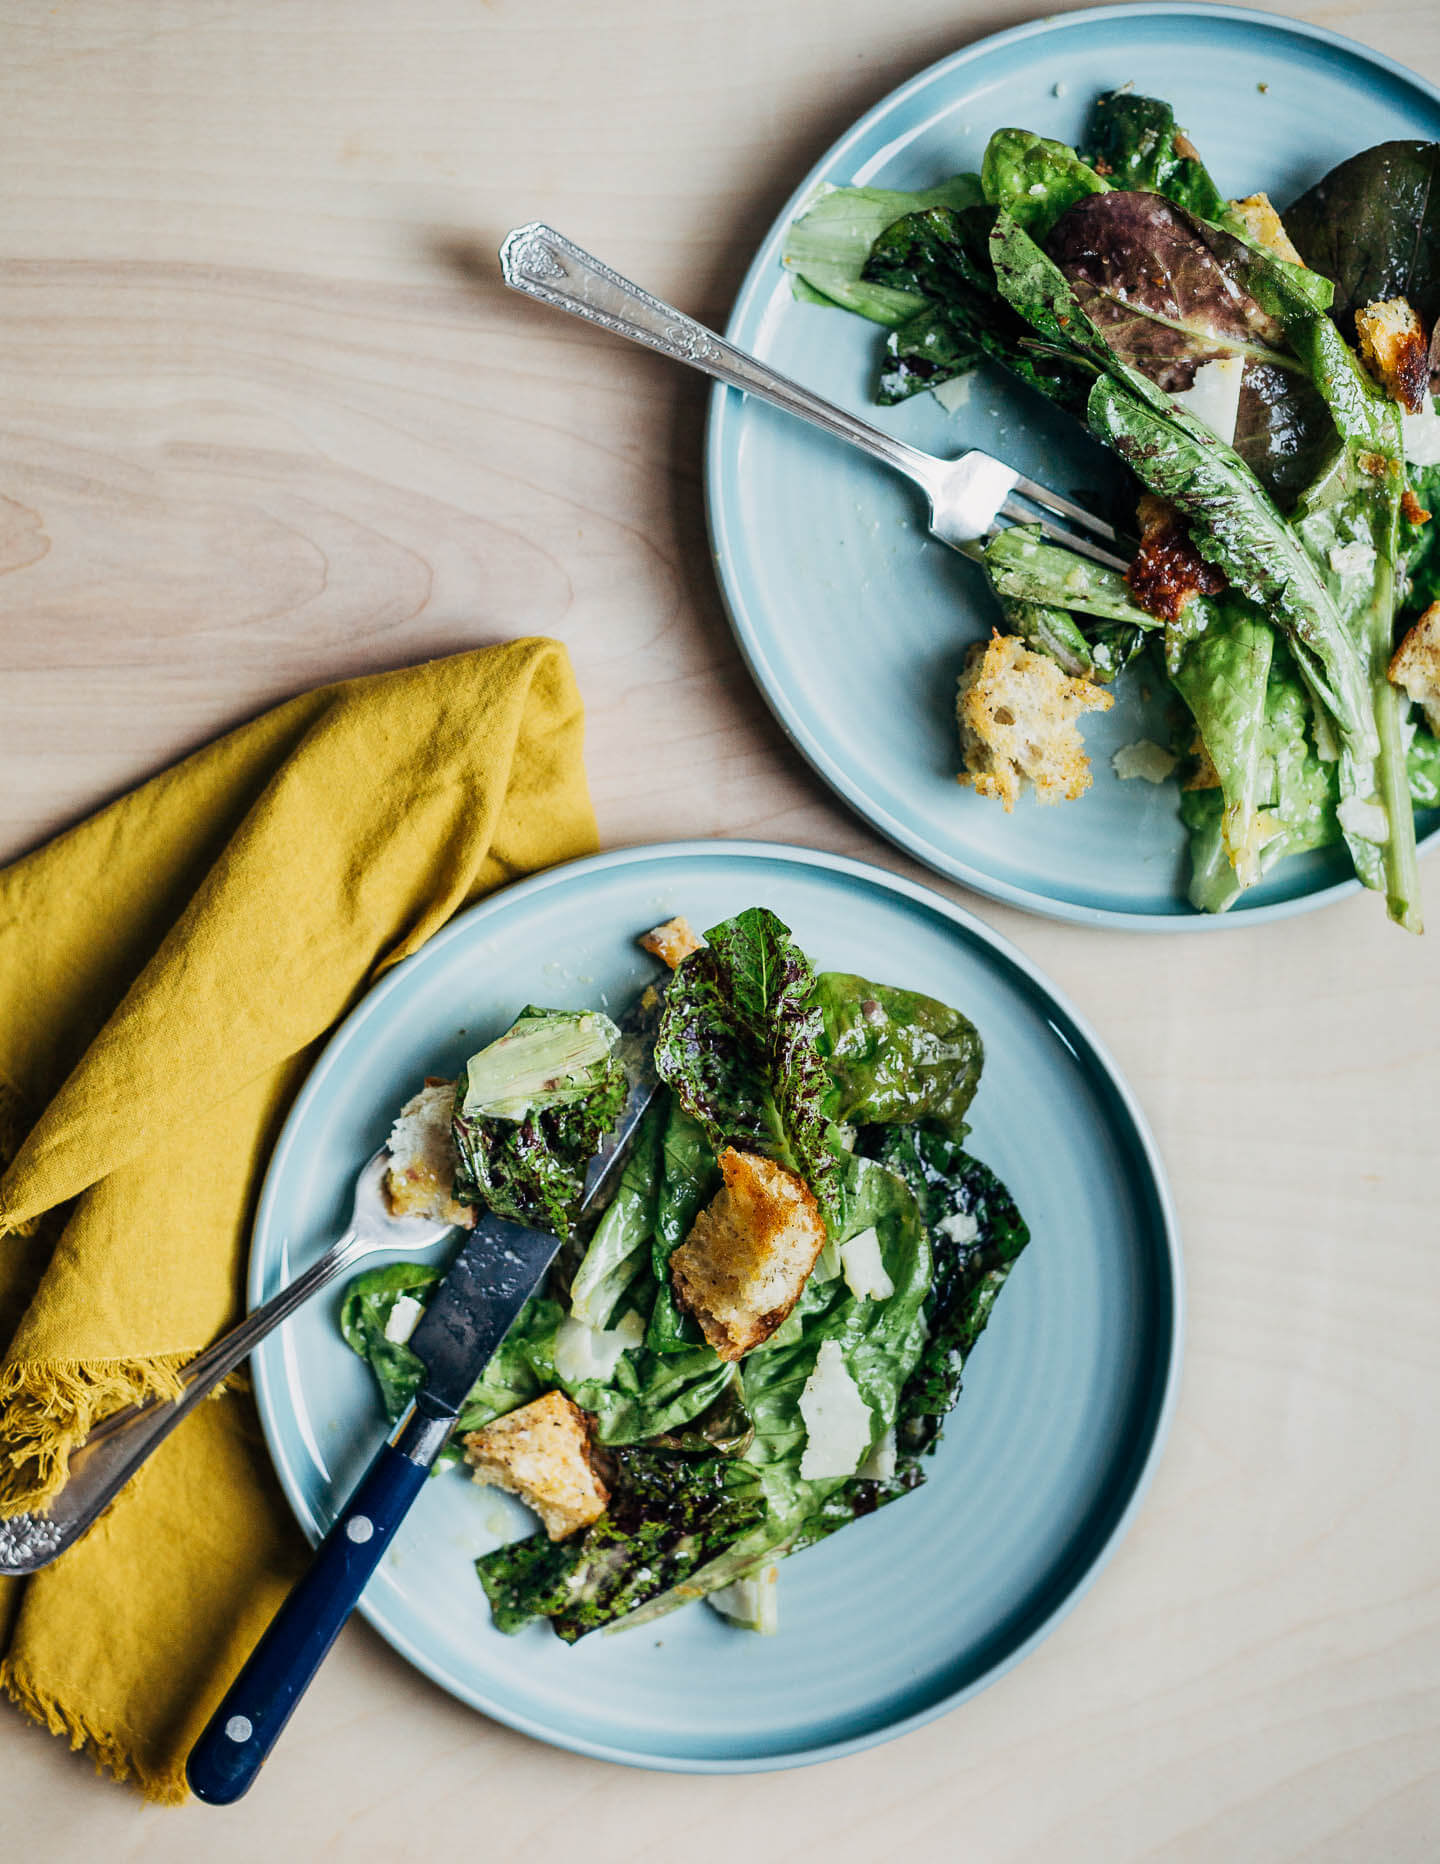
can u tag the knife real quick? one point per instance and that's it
(490, 1280)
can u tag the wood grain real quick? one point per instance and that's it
(270, 420)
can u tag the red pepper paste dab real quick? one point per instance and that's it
(1168, 569)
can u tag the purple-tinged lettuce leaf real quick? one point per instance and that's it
(739, 1044)
(1168, 293)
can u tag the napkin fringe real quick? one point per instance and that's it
(110, 1753)
(49, 1407)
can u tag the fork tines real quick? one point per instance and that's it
(1042, 497)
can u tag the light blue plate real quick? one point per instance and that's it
(904, 1614)
(854, 622)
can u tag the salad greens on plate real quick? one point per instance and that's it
(804, 1161)
(1266, 381)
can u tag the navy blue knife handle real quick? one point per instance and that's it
(240, 1734)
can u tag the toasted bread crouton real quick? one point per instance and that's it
(1017, 714)
(1265, 227)
(542, 1454)
(1416, 665)
(420, 1180)
(1393, 348)
(674, 941)
(749, 1253)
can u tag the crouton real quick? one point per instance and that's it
(420, 1179)
(1017, 714)
(1393, 348)
(674, 941)
(1265, 227)
(1416, 665)
(749, 1253)
(542, 1453)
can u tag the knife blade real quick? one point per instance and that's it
(492, 1277)
(500, 1264)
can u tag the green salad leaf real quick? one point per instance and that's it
(1372, 227)
(619, 1249)
(531, 1111)
(976, 1234)
(894, 1054)
(1035, 180)
(1052, 631)
(943, 258)
(739, 1045)
(1223, 673)
(1022, 567)
(667, 1516)
(509, 1380)
(828, 246)
(1424, 769)
(365, 1310)
(1420, 543)
(1135, 142)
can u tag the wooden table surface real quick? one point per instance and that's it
(266, 424)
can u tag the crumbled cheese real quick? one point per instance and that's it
(400, 1321)
(1422, 435)
(583, 1352)
(879, 1465)
(863, 1267)
(1214, 395)
(961, 1228)
(837, 1418)
(1144, 759)
(1366, 821)
(1357, 559)
(1036, 187)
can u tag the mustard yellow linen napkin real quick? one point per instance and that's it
(167, 970)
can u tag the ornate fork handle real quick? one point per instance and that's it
(543, 264)
(119, 1444)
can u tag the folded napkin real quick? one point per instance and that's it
(167, 972)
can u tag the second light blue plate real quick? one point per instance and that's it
(899, 1616)
(855, 624)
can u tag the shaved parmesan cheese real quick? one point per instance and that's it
(584, 1352)
(954, 394)
(1143, 759)
(1365, 821)
(400, 1321)
(1214, 396)
(837, 1418)
(753, 1602)
(864, 1267)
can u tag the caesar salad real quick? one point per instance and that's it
(1267, 382)
(760, 1339)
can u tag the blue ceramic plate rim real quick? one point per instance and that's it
(726, 406)
(268, 1364)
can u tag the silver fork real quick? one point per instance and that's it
(119, 1444)
(968, 496)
